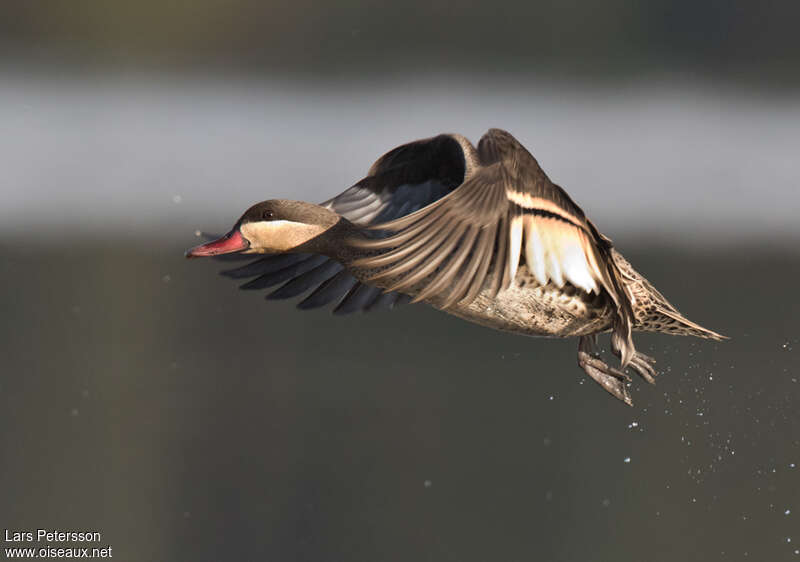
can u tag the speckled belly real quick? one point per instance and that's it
(535, 310)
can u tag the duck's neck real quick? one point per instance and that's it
(333, 242)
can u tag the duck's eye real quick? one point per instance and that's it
(267, 215)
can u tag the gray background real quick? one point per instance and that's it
(141, 395)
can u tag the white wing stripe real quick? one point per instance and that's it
(534, 251)
(576, 268)
(553, 260)
(554, 251)
(514, 246)
(528, 201)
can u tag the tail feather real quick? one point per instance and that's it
(653, 312)
(678, 324)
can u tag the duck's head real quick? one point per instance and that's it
(276, 226)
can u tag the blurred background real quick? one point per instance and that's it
(144, 397)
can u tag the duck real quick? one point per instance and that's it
(479, 232)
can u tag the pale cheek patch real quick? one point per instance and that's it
(280, 235)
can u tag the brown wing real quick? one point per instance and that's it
(448, 245)
(403, 180)
(406, 179)
(506, 210)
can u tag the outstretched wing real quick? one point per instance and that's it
(402, 181)
(506, 212)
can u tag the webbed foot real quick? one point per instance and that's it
(641, 364)
(611, 379)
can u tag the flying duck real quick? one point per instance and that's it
(481, 233)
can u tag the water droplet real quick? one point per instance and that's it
(787, 512)
(626, 460)
(427, 483)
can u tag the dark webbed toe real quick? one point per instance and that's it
(611, 379)
(643, 366)
(605, 376)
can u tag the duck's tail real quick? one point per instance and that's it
(653, 312)
(667, 320)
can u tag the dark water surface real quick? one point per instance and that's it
(143, 396)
